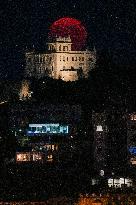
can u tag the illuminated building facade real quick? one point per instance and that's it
(60, 61)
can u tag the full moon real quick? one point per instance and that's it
(67, 26)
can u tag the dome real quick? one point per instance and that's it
(67, 26)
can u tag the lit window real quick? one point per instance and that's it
(50, 158)
(133, 117)
(37, 156)
(99, 128)
(23, 157)
(72, 68)
(101, 172)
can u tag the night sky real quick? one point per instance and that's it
(25, 24)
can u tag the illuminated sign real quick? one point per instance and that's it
(37, 129)
(133, 117)
(132, 150)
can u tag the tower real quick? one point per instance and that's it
(131, 137)
(100, 138)
(60, 44)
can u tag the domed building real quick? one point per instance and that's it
(60, 61)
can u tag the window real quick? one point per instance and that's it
(79, 58)
(133, 117)
(90, 59)
(76, 59)
(82, 58)
(53, 147)
(99, 128)
(60, 48)
(33, 129)
(29, 60)
(40, 59)
(60, 58)
(72, 68)
(63, 58)
(50, 158)
(67, 58)
(65, 48)
(72, 58)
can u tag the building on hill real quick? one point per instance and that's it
(60, 61)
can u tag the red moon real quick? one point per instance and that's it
(67, 26)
